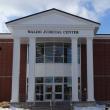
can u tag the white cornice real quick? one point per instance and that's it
(6, 36)
(52, 26)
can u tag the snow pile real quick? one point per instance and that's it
(13, 108)
(89, 108)
(4, 104)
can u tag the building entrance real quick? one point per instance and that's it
(53, 89)
(53, 92)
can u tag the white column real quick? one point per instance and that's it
(15, 70)
(90, 78)
(31, 76)
(74, 68)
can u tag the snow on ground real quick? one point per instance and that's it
(89, 108)
(75, 108)
(13, 108)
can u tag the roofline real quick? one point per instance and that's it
(101, 38)
(6, 33)
(6, 36)
(50, 10)
(78, 16)
(102, 34)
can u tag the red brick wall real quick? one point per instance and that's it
(22, 90)
(83, 72)
(102, 69)
(5, 69)
(101, 57)
(6, 52)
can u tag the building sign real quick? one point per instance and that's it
(53, 32)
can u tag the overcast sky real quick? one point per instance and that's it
(97, 10)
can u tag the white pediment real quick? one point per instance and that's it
(54, 23)
(53, 17)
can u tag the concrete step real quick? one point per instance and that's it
(44, 105)
(50, 108)
(53, 106)
(57, 105)
(40, 108)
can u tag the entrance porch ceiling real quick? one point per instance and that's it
(53, 39)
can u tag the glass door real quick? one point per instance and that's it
(48, 92)
(53, 92)
(48, 89)
(53, 89)
(58, 96)
(39, 92)
(39, 89)
(59, 88)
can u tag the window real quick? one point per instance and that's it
(53, 52)
(48, 52)
(67, 53)
(39, 80)
(48, 79)
(78, 54)
(59, 53)
(58, 79)
(40, 53)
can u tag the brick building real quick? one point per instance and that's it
(54, 55)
